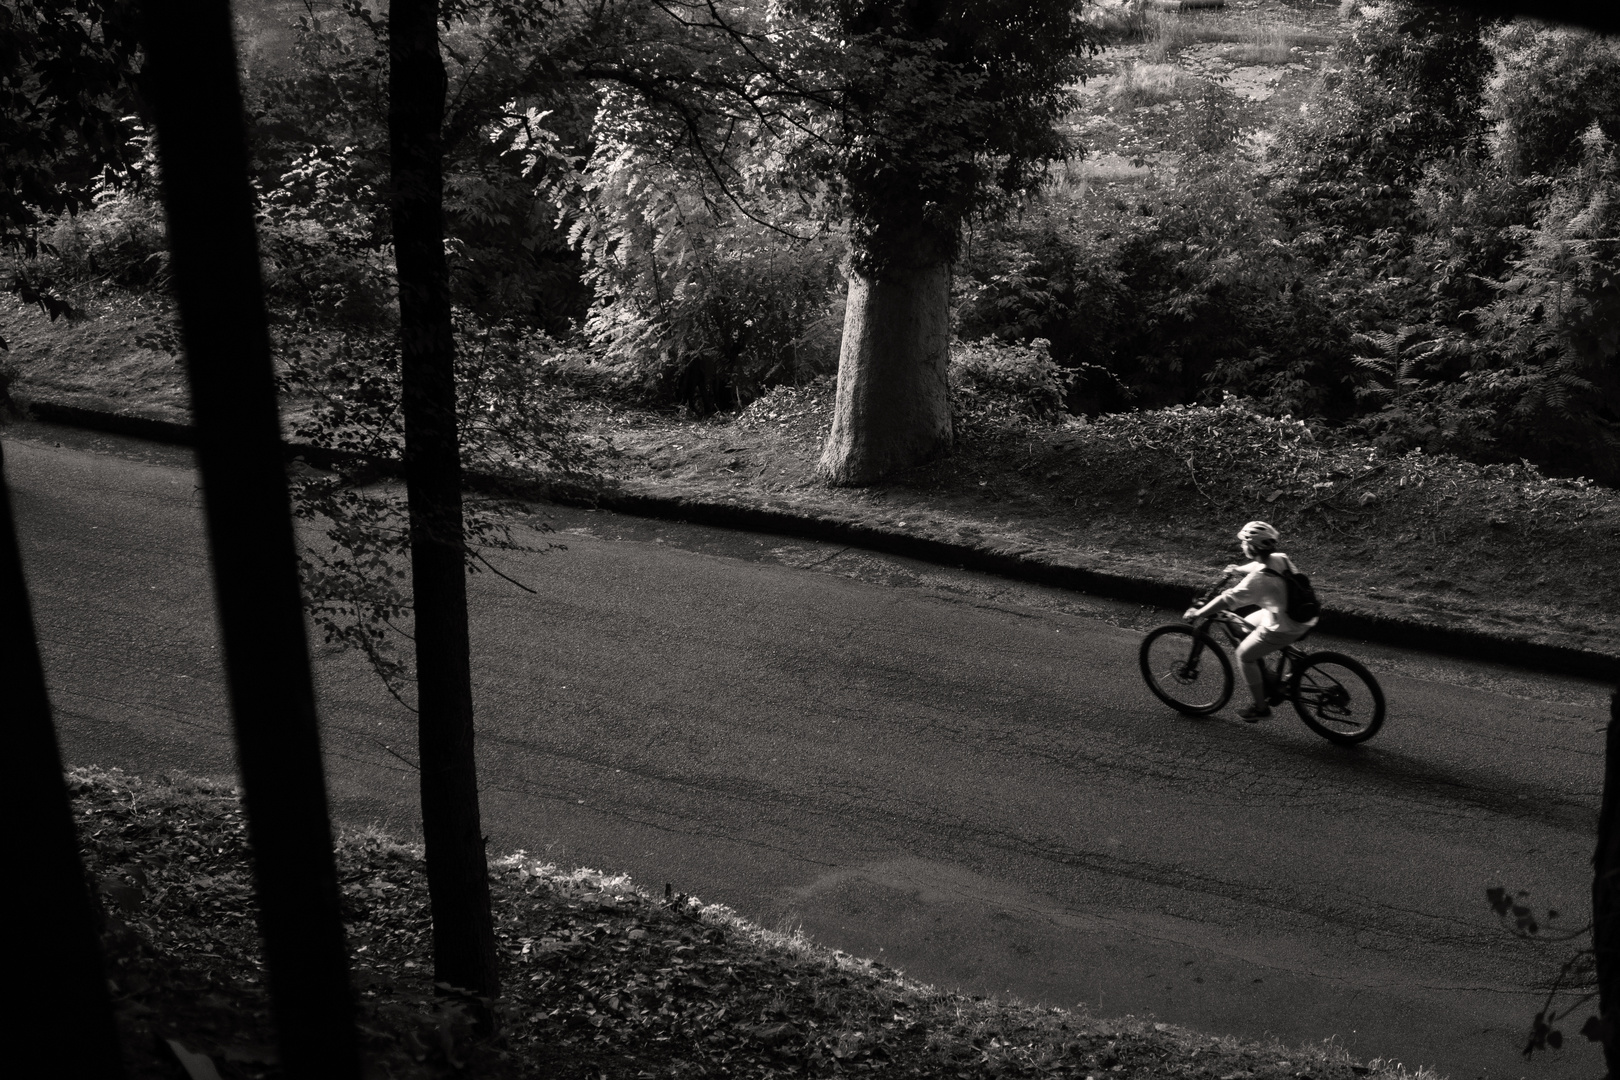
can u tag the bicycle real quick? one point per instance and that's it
(1186, 668)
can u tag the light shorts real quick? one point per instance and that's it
(1261, 643)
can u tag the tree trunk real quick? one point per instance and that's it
(893, 408)
(458, 874)
(63, 1004)
(190, 80)
(1606, 895)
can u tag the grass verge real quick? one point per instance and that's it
(1160, 495)
(603, 980)
(1498, 548)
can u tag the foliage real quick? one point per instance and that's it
(711, 304)
(908, 118)
(119, 234)
(1172, 295)
(321, 248)
(517, 438)
(943, 106)
(67, 74)
(1407, 91)
(606, 979)
(1530, 371)
(1551, 84)
(991, 380)
(67, 78)
(319, 138)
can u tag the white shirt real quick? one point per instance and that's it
(1269, 592)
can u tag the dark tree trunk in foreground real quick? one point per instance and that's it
(458, 875)
(56, 967)
(190, 81)
(1606, 895)
(893, 407)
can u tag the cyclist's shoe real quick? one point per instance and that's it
(1255, 713)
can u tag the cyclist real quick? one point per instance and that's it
(1273, 629)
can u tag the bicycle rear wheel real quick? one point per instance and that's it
(1337, 698)
(1186, 669)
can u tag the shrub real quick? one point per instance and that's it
(120, 237)
(1551, 84)
(994, 380)
(323, 247)
(710, 304)
(1407, 90)
(1175, 295)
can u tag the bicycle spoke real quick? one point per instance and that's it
(1186, 670)
(1338, 698)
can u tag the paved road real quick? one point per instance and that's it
(957, 775)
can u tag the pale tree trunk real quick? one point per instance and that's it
(893, 408)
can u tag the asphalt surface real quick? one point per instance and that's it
(960, 776)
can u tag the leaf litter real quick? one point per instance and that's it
(602, 979)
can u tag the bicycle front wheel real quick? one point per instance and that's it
(1186, 669)
(1337, 698)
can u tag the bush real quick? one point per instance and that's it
(1407, 90)
(1176, 295)
(324, 252)
(120, 238)
(993, 380)
(709, 304)
(1551, 84)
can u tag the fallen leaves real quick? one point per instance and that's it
(601, 979)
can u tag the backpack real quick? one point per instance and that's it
(1303, 606)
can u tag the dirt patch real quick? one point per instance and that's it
(1136, 97)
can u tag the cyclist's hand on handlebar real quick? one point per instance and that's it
(1189, 614)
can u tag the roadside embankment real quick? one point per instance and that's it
(1495, 563)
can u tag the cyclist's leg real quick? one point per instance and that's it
(1260, 644)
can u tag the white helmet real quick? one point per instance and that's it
(1260, 534)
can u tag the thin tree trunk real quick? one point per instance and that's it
(1606, 895)
(63, 1004)
(893, 407)
(458, 874)
(190, 80)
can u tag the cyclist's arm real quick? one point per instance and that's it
(1237, 596)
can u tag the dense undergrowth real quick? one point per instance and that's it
(1394, 218)
(603, 980)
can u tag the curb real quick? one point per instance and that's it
(1172, 595)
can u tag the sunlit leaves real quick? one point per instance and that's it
(517, 438)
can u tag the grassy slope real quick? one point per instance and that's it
(1162, 494)
(602, 979)
(1498, 548)
(113, 357)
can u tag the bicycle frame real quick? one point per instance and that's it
(1334, 694)
(1237, 628)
